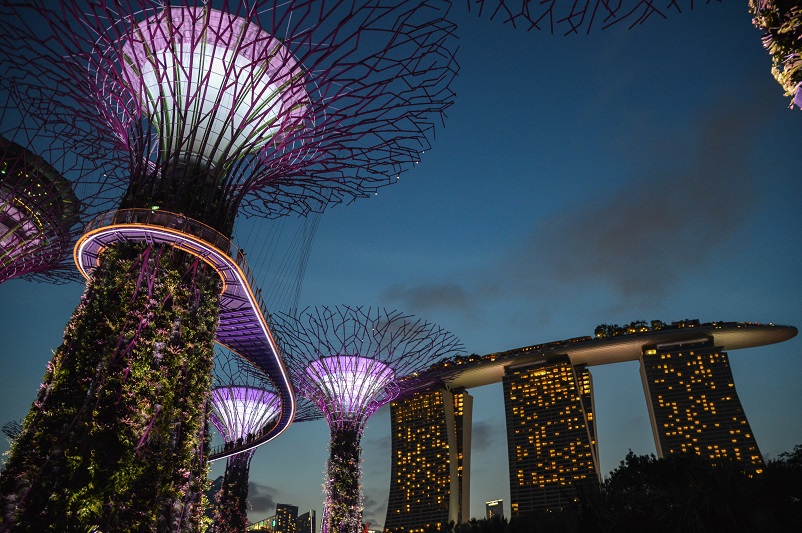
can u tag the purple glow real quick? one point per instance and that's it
(348, 386)
(240, 411)
(38, 211)
(211, 82)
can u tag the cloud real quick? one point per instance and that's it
(379, 445)
(374, 510)
(429, 296)
(688, 194)
(260, 498)
(484, 434)
(664, 223)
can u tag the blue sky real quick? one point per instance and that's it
(650, 173)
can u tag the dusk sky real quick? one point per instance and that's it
(651, 173)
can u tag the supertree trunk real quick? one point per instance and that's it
(117, 435)
(343, 509)
(231, 515)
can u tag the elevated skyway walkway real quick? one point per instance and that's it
(243, 327)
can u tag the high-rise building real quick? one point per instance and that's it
(551, 420)
(494, 508)
(693, 405)
(306, 523)
(430, 481)
(285, 518)
(550, 433)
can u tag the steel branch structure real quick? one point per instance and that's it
(262, 107)
(244, 407)
(576, 17)
(210, 110)
(38, 213)
(349, 361)
(43, 197)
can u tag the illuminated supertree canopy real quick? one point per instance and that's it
(243, 404)
(349, 361)
(38, 210)
(208, 111)
(240, 411)
(265, 106)
(576, 17)
(44, 200)
(782, 22)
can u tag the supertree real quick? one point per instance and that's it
(576, 17)
(782, 22)
(41, 211)
(349, 361)
(38, 211)
(261, 108)
(243, 405)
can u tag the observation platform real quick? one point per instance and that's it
(243, 328)
(476, 371)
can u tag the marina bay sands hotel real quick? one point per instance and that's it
(551, 428)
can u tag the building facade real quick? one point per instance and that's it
(285, 518)
(551, 418)
(550, 433)
(693, 405)
(307, 522)
(494, 509)
(430, 481)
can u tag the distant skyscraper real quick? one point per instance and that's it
(693, 405)
(550, 433)
(307, 522)
(285, 518)
(430, 472)
(494, 508)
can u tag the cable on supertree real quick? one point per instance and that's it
(576, 17)
(349, 361)
(243, 405)
(781, 20)
(261, 108)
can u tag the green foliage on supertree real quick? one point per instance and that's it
(343, 509)
(781, 20)
(116, 438)
(231, 512)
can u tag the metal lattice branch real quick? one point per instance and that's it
(45, 199)
(282, 106)
(235, 377)
(556, 16)
(351, 360)
(38, 211)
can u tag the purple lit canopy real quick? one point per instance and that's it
(349, 361)
(349, 385)
(212, 82)
(281, 106)
(38, 215)
(241, 411)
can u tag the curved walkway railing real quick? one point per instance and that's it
(243, 328)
